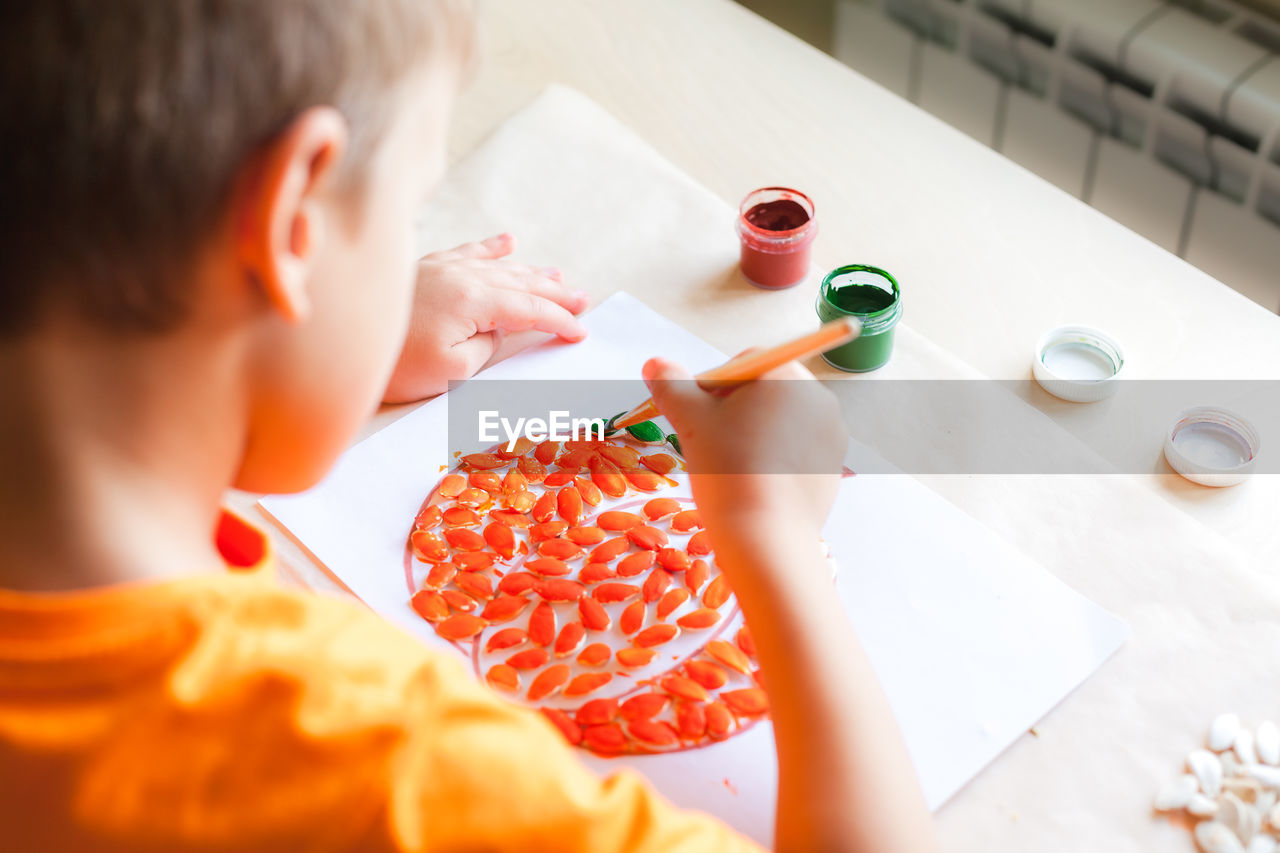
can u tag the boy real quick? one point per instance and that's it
(207, 281)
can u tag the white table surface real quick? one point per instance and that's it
(989, 257)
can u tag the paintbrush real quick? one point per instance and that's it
(753, 365)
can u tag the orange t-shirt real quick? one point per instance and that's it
(221, 712)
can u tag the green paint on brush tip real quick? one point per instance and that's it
(647, 431)
(609, 428)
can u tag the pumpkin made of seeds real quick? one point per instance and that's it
(579, 579)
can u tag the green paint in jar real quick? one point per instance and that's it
(870, 294)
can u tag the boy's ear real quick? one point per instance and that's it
(281, 214)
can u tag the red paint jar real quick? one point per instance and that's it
(777, 227)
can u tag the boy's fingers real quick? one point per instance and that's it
(538, 285)
(673, 389)
(472, 354)
(515, 310)
(491, 248)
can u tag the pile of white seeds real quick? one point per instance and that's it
(1233, 788)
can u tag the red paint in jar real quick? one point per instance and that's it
(777, 226)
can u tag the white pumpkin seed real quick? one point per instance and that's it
(1202, 806)
(1264, 801)
(1268, 742)
(1261, 844)
(1239, 817)
(1273, 816)
(1208, 770)
(1244, 787)
(1243, 747)
(1223, 730)
(1176, 793)
(1213, 837)
(1249, 825)
(1269, 776)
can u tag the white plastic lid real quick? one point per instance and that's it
(1212, 447)
(1078, 363)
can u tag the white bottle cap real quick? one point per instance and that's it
(1078, 363)
(1212, 447)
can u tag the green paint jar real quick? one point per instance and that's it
(871, 295)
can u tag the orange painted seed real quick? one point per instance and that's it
(634, 564)
(476, 585)
(458, 600)
(440, 574)
(570, 639)
(632, 617)
(597, 712)
(612, 593)
(696, 575)
(452, 485)
(585, 536)
(645, 481)
(609, 550)
(502, 677)
(460, 626)
(670, 601)
(706, 673)
(633, 658)
(499, 537)
(748, 702)
(718, 592)
(691, 719)
(719, 721)
(596, 572)
(659, 463)
(608, 739)
(685, 521)
(661, 508)
(571, 731)
(548, 566)
(673, 560)
(643, 705)
(656, 635)
(542, 624)
(463, 539)
(504, 608)
(596, 654)
(430, 605)
(683, 687)
(594, 617)
(656, 584)
(618, 520)
(729, 655)
(699, 544)
(558, 589)
(517, 583)
(655, 732)
(699, 619)
(505, 639)
(649, 538)
(549, 681)
(428, 547)
(529, 659)
(586, 683)
(483, 460)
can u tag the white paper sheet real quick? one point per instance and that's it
(973, 642)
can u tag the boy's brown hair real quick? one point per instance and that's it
(123, 124)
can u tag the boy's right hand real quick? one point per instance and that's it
(764, 457)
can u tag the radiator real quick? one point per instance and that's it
(1163, 115)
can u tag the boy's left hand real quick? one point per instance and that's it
(465, 299)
